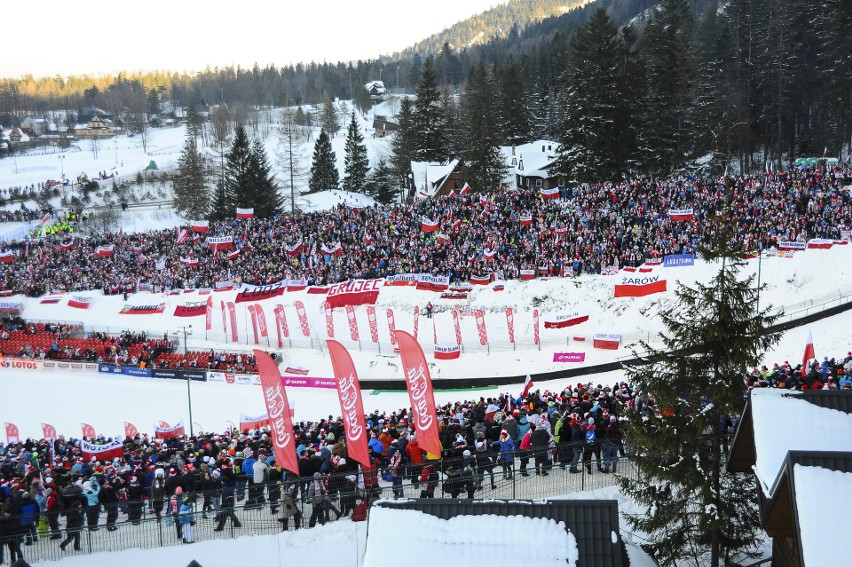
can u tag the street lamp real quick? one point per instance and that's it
(186, 330)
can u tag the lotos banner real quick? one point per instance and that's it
(278, 410)
(354, 292)
(536, 334)
(480, 327)
(632, 286)
(457, 327)
(510, 324)
(191, 309)
(261, 321)
(419, 384)
(416, 319)
(569, 357)
(351, 403)
(248, 422)
(48, 431)
(447, 352)
(12, 434)
(562, 320)
(374, 324)
(258, 292)
(329, 320)
(353, 323)
(103, 453)
(253, 317)
(232, 315)
(130, 430)
(143, 309)
(606, 341)
(303, 318)
(169, 432)
(391, 327)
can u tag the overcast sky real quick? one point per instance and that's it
(104, 36)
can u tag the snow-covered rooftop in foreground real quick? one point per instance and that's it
(823, 499)
(466, 540)
(784, 422)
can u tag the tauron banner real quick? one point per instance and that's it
(351, 404)
(303, 318)
(419, 384)
(102, 453)
(258, 292)
(480, 327)
(353, 323)
(374, 324)
(143, 309)
(354, 292)
(632, 286)
(191, 309)
(278, 410)
(232, 313)
(169, 432)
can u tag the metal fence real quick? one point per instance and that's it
(149, 532)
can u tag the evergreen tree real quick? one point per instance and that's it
(266, 199)
(329, 120)
(190, 183)
(323, 166)
(194, 122)
(483, 164)
(403, 144)
(428, 119)
(356, 162)
(383, 182)
(221, 208)
(692, 508)
(515, 106)
(290, 154)
(238, 172)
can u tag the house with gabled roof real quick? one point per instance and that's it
(798, 444)
(529, 165)
(431, 179)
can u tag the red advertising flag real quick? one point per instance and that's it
(391, 327)
(606, 341)
(261, 321)
(639, 286)
(224, 319)
(447, 352)
(88, 431)
(434, 332)
(163, 431)
(351, 404)
(253, 316)
(457, 327)
(208, 322)
(374, 324)
(164, 424)
(416, 319)
(810, 354)
(232, 312)
(282, 320)
(254, 422)
(419, 384)
(277, 314)
(329, 320)
(130, 430)
(303, 318)
(480, 327)
(278, 410)
(353, 323)
(103, 453)
(528, 384)
(48, 431)
(12, 434)
(510, 324)
(536, 335)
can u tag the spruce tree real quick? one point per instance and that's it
(383, 183)
(428, 119)
(190, 183)
(323, 166)
(329, 119)
(690, 507)
(403, 144)
(479, 134)
(515, 106)
(220, 208)
(266, 199)
(238, 173)
(356, 162)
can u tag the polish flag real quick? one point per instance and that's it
(428, 225)
(7, 256)
(88, 430)
(181, 236)
(130, 430)
(526, 220)
(528, 384)
(46, 218)
(232, 255)
(465, 190)
(245, 213)
(810, 354)
(192, 262)
(681, 214)
(199, 225)
(104, 251)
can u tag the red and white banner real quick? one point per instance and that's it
(245, 213)
(250, 292)
(416, 320)
(526, 220)
(329, 320)
(223, 285)
(465, 189)
(232, 314)
(299, 371)
(353, 323)
(488, 254)
(428, 225)
(351, 403)
(810, 354)
(820, 244)
(261, 321)
(785, 245)
(12, 433)
(457, 327)
(104, 251)
(220, 242)
(7, 256)
(528, 385)
(48, 431)
(419, 383)
(354, 292)
(88, 430)
(536, 335)
(130, 430)
(180, 235)
(102, 453)
(562, 320)
(169, 432)
(606, 341)
(303, 317)
(278, 410)
(294, 249)
(192, 309)
(208, 315)
(447, 352)
(248, 422)
(374, 323)
(253, 317)
(281, 317)
(680, 214)
(224, 319)
(296, 285)
(527, 275)
(189, 262)
(428, 282)
(480, 327)
(335, 250)
(79, 301)
(510, 324)
(199, 225)
(480, 280)
(552, 193)
(391, 327)
(52, 298)
(143, 309)
(632, 286)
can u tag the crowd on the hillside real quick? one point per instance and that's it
(830, 374)
(587, 228)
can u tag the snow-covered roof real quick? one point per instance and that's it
(428, 176)
(823, 501)
(532, 159)
(7, 134)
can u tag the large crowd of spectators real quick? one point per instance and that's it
(587, 227)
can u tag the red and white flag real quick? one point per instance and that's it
(102, 453)
(88, 430)
(810, 354)
(189, 262)
(480, 326)
(278, 411)
(681, 214)
(640, 286)
(245, 213)
(488, 254)
(536, 335)
(46, 218)
(48, 431)
(419, 385)
(465, 189)
(353, 323)
(391, 327)
(351, 403)
(329, 320)
(606, 341)
(335, 250)
(457, 327)
(528, 384)
(79, 301)
(254, 422)
(181, 236)
(447, 352)
(552, 193)
(374, 323)
(104, 251)
(208, 314)
(67, 244)
(510, 324)
(233, 254)
(303, 318)
(416, 319)
(169, 432)
(428, 225)
(199, 225)
(12, 434)
(232, 312)
(526, 220)
(130, 430)
(253, 317)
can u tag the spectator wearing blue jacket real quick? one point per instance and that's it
(92, 491)
(28, 514)
(506, 457)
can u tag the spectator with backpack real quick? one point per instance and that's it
(73, 497)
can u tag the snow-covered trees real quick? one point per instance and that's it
(355, 160)
(323, 169)
(190, 183)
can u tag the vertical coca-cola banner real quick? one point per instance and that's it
(130, 430)
(480, 327)
(278, 411)
(277, 314)
(391, 328)
(510, 324)
(457, 327)
(88, 431)
(351, 404)
(419, 384)
(353, 323)
(48, 431)
(329, 320)
(536, 336)
(261, 320)
(208, 320)
(253, 316)
(374, 324)
(232, 313)
(12, 434)
(416, 319)
(282, 318)
(303, 318)
(224, 321)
